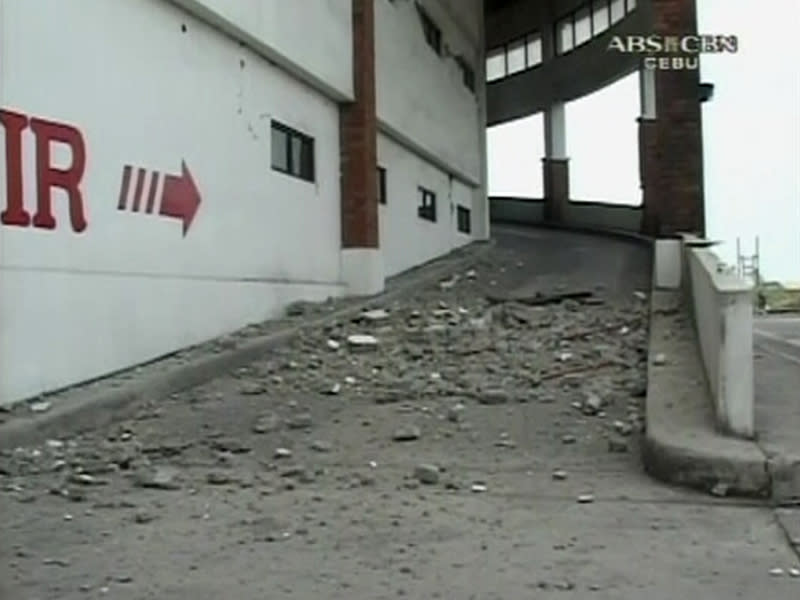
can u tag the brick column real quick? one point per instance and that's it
(556, 188)
(677, 137)
(362, 267)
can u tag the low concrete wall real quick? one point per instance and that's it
(722, 307)
(580, 215)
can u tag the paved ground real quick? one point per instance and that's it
(484, 449)
(777, 381)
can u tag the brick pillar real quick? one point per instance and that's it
(648, 176)
(678, 137)
(362, 262)
(358, 138)
(556, 188)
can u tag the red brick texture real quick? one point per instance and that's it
(358, 138)
(556, 188)
(671, 147)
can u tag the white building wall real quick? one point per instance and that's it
(142, 92)
(311, 38)
(407, 240)
(421, 99)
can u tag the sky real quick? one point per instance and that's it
(751, 131)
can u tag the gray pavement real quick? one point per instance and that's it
(519, 477)
(776, 341)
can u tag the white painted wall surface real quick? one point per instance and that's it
(131, 287)
(312, 38)
(405, 239)
(723, 310)
(420, 95)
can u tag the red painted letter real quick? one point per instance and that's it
(48, 177)
(14, 214)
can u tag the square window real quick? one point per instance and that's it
(583, 26)
(496, 64)
(516, 56)
(600, 17)
(280, 149)
(463, 219)
(292, 152)
(534, 51)
(617, 11)
(564, 37)
(427, 205)
(381, 185)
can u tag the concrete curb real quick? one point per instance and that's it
(681, 445)
(99, 409)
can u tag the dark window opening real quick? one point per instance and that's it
(433, 35)
(381, 185)
(427, 205)
(464, 219)
(467, 73)
(292, 152)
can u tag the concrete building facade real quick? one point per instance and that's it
(176, 170)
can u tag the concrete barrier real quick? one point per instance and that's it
(721, 304)
(577, 214)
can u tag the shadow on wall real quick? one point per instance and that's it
(588, 215)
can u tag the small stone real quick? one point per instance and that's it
(267, 424)
(321, 446)
(565, 356)
(282, 453)
(478, 488)
(55, 444)
(377, 314)
(56, 562)
(456, 413)
(407, 434)
(427, 474)
(720, 490)
(568, 439)
(333, 344)
(123, 579)
(660, 359)
(350, 380)
(471, 274)
(794, 572)
(640, 295)
(300, 421)
(252, 388)
(143, 517)
(776, 572)
(622, 428)
(40, 407)
(617, 445)
(334, 390)
(559, 475)
(592, 404)
(494, 397)
(217, 478)
(585, 499)
(362, 341)
(162, 478)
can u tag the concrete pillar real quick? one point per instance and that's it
(480, 206)
(676, 139)
(361, 259)
(555, 163)
(648, 158)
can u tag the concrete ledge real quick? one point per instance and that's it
(94, 409)
(623, 234)
(682, 444)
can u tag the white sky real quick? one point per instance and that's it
(751, 138)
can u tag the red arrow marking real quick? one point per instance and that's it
(181, 198)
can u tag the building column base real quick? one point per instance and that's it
(648, 162)
(362, 271)
(556, 188)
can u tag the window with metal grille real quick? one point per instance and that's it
(292, 152)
